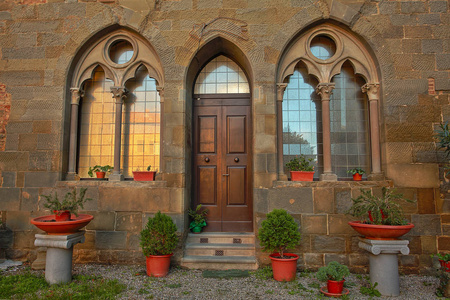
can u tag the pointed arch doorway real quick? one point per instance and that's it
(222, 156)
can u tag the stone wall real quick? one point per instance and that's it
(41, 40)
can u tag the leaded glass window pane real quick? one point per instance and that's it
(302, 119)
(221, 76)
(349, 124)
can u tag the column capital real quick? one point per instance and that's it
(160, 90)
(77, 93)
(281, 87)
(119, 93)
(324, 90)
(372, 90)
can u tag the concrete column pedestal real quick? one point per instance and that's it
(384, 263)
(58, 265)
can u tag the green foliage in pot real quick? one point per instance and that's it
(72, 201)
(356, 171)
(384, 210)
(279, 232)
(300, 163)
(198, 216)
(443, 257)
(99, 168)
(159, 235)
(333, 271)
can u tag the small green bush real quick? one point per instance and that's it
(72, 201)
(300, 163)
(159, 235)
(278, 232)
(333, 271)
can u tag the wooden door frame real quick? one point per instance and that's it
(220, 100)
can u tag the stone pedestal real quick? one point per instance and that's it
(58, 266)
(384, 263)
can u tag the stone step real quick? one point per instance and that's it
(219, 249)
(219, 262)
(221, 238)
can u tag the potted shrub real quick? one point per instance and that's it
(357, 173)
(198, 218)
(301, 168)
(158, 240)
(100, 171)
(278, 233)
(334, 275)
(444, 261)
(148, 175)
(380, 217)
(62, 222)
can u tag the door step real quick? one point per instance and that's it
(220, 251)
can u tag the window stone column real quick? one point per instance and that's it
(74, 106)
(281, 87)
(119, 93)
(160, 90)
(324, 90)
(373, 93)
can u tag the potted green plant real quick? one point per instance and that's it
(278, 233)
(100, 171)
(70, 205)
(334, 275)
(158, 240)
(198, 218)
(301, 168)
(444, 260)
(357, 173)
(148, 175)
(380, 217)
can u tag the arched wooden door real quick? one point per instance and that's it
(222, 160)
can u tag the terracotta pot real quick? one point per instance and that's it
(335, 287)
(381, 232)
(100, 174)
(144, 175)
(284, 269)
(51, 226)
(357, 177)
(62, 215)
(158, 265)
(302, 176)
(445, 265)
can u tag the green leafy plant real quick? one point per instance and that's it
(159, 235)
(264, 273)
(300, 163)
(333, 271)
(72, 201)
(279, 232)
(444, 257)
(356, 171)
(371, 290)
(384, 210)
(98, 168)
(198, 216)
(149, 168)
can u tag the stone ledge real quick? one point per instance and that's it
(338, 184)
(103, 183)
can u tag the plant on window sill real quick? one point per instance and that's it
(301, 168)
(357, 173)
(148, 175)
(100, 171)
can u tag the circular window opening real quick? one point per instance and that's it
(322, 47)
(121, 52)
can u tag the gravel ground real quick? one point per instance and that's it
(189, 284)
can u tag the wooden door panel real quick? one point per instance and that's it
(207, 185)
(207, 134)
(236, 186)
(236, 131)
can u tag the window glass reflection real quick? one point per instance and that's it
(323, 47)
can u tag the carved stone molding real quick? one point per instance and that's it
(281, 87)
(76, 95)
(160, 90)
(324, 90)
(119, 93)
(372, 90)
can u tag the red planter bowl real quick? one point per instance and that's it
(335, 287)
(62, 215)
(357, 177)
(144, 175)
(158, 265)
(380, 232)
(284, 269)
(49, 225)
(302, 176)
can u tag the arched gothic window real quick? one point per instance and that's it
(327, 65)
(117, 86)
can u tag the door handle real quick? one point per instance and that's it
(207, 159)
(225, 174)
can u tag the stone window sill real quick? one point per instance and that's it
(337, 184)
(125, 183)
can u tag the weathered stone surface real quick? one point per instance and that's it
(342, 200)
(323, 200)
(328, 244)
(8, 179)
(414, 175)
(18, 220)
(338, 224)
(40, 179)
(426, 225)
(10, 199)
(129, 221)
(294, 200)
(103, 221)
(314, 224)
(108, 240)
(143, 199)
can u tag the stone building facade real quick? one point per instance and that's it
(398, 54)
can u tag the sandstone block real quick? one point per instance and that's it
(129, 221)
(40, 179)
(133, 199)
(412, 7)
(429, 244)
(10, 199)
(414, 175)
(29, 199)
(328, 244)
(111, 240)
(438, 6)
(426, 225)
(343, 200)
(443, 243)
(19, 220)
(293, 200)
(313, 259)
(443, 61)
(103, 221)
(24, 239)
(340, 258)
(323, 200)
(426, 201)
(8, 179)
(314, 224)
(338, 224)
(418, 32)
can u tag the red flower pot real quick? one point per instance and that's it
(144, 175)
(357, 177)
(158, 265)
(302, 176)
(284, 269)
(100, 174)
(381, 232)
(335, 287)
(63, 215)
(445, 265)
